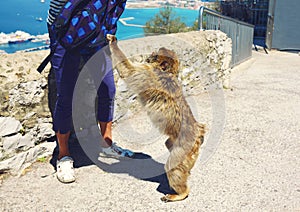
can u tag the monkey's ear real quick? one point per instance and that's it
(164, 65)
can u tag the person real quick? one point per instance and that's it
(66, 65)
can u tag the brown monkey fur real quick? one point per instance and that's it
(156, 85)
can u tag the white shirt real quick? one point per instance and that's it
(55, 7)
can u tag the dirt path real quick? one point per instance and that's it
(255, 167)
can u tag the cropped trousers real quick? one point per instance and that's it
(66, 65)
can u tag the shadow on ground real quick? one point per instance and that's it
(142, 166)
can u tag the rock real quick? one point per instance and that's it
(10, 143)
(20, 161)
(48, 148)
(9, 126)
(16, 164)
(27, 93)
(41, 132)
(211, 37)
(26, 142)
(17, 143)
(29, 115)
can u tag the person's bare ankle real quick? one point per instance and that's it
(107, 142)
(60, 156)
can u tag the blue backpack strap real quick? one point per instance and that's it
(45, 62)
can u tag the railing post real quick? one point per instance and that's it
(200, 19)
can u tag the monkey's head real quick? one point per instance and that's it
(166, 59)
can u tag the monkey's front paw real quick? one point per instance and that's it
(111, 38)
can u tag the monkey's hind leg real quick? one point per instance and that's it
(178, 181)
(178, 174)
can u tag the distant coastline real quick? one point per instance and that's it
(142, 5)
(131, 26)
(190, 5)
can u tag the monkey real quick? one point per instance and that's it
(158, 90)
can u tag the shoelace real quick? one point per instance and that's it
(121, 151)
(117, 149)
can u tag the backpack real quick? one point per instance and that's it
(83, 24)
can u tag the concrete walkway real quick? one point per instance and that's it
(255, 167)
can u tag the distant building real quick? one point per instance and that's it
(277, 22)
(283, 27)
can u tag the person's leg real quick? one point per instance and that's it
(66, 67)
(106, 96)
(106, 132)
(64, 165)
(63, 146)
(101, 72)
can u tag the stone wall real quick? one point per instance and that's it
(204, 56)
(25, 118)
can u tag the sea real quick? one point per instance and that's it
(30, 16)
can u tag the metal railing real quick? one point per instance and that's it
(241, 33)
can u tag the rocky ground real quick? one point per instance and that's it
(254, 167)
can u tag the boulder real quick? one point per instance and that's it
(9, 126)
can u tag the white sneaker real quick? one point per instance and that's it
(65, 170)
(115, 151)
